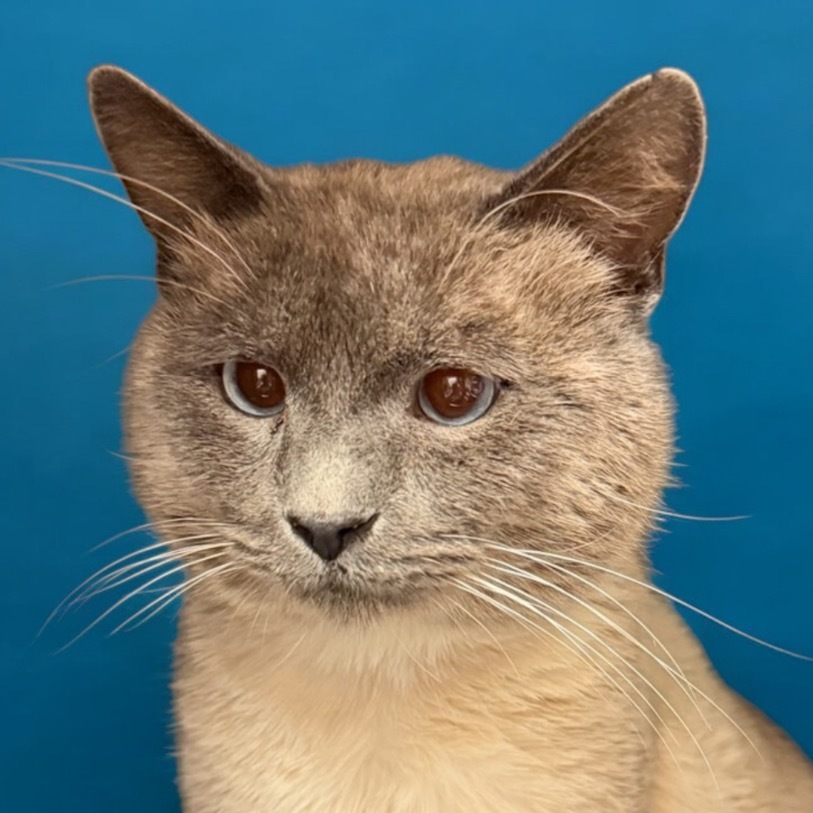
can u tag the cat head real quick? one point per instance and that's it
(370, 383)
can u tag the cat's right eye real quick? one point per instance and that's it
(254, 388)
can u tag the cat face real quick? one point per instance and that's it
(347, 285)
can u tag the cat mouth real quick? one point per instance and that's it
(339, 588)
(342, 585)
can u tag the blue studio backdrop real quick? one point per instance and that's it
(88, 729)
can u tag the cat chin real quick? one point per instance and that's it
(340, 591)
(352, 601)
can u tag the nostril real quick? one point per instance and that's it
(301, 530)
(329, 538)
(360, 528)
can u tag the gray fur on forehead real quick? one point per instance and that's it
(387, 257)
(341, 254)
(376, 220)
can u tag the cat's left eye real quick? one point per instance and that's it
(453, 396)
(254, 388)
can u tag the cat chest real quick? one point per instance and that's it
(340, 752)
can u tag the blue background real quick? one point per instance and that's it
(497, 82)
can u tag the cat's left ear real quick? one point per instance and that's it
(623, 176)
(171, 166)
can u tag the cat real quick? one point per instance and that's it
(405, 430)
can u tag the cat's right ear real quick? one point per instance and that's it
(170, 165)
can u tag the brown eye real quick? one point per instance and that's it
(254, 388)
(454, 397)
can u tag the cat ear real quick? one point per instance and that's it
(168, 162)
(624, 176)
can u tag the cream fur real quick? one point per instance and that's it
(403, 718)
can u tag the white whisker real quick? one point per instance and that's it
(130, 205)
(578, 646)
(118, 577)
(549, 608)
(118, 354)
(674, 672)
(133, 593)
(417, 662)
(462, 608)
(170, 595)
(158, 525)
(104, 570)
(492, 213)
(248, 595)
(142, 278)
(143, 184)
(667, 512)
(653, 588)
(290, 652)
(64, 603)
(678, 674)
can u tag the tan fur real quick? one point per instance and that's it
(410, 720)
(491, 645)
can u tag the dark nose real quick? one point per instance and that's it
(328, 539)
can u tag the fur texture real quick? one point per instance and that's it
(491, 644)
